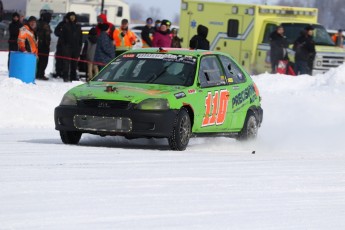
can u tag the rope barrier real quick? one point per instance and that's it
(64, 57)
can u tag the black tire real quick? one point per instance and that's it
(250, 128)
(182, 131)
(70, 137)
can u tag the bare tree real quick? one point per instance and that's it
(291, 3)
(137, 12)
(331, 13)
(155, 13)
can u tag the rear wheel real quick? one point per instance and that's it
(250, 128)
(181, 132)
(70, 137)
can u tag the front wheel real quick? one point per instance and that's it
(70, 137)
(181, 131)
(250, 128)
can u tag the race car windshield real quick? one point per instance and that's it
(165, 69)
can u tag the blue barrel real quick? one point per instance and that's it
(23, 66)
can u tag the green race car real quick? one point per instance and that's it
(163, 93)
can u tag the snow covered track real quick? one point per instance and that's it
(295, 179)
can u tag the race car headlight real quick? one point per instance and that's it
(153, 104)
(69, 99)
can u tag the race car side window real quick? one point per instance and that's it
(210, 72)
(233, 73)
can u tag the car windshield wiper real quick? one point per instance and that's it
(156, 76)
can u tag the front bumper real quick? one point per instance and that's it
(143, 123)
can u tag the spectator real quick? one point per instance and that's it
(338, 38)
(90, 50)
(58, 52)
(105, 49)
(199, 41)
(162, 37)
(27, 39)
(102, 19)
(304, 48)
(278, 44)
(13, 28)
(124, 38)
(157, 25)
(43, 34)
(147, 33)
(176, 41)
(71, 46)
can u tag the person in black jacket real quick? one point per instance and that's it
(304, 48)
(71, 38)
(58, 52)
(199, 41)
(146, 33)
(13, 28)
(278, 44)
(44, 38)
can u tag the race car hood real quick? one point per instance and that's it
(123, 91)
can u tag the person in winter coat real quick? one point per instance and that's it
(44, 38)
(338, 38)
(176, 41)
(147, 33)
(102, 19)
(199, 41)
(58, 52)
(305, 52)
(279, 45)
(162, 37)
(90, 47)
(27, 38)
(71, 38)
(13, 28)
(105, 49)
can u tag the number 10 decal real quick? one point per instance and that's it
(216, 108)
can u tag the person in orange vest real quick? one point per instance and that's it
(27, 38)
(124, 39)
(338, 38)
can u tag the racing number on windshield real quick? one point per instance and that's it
(216, 107)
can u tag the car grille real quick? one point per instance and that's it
(103, 124)
(328, 62)
(113, 104)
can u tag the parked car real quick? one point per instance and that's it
(163, 93)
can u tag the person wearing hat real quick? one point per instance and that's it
(13, 28)
(157, 25)
(305, 52)
(105, 49)
(27, 38)
(44, 37)
(199, 41)
(71, 38)
(338, 38)
(147, 33)
(124, 38)
(162, 37)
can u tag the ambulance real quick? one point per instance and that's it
(243, 31)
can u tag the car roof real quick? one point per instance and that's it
(181, 51)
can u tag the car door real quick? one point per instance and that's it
(213, 97)
(237, 89)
